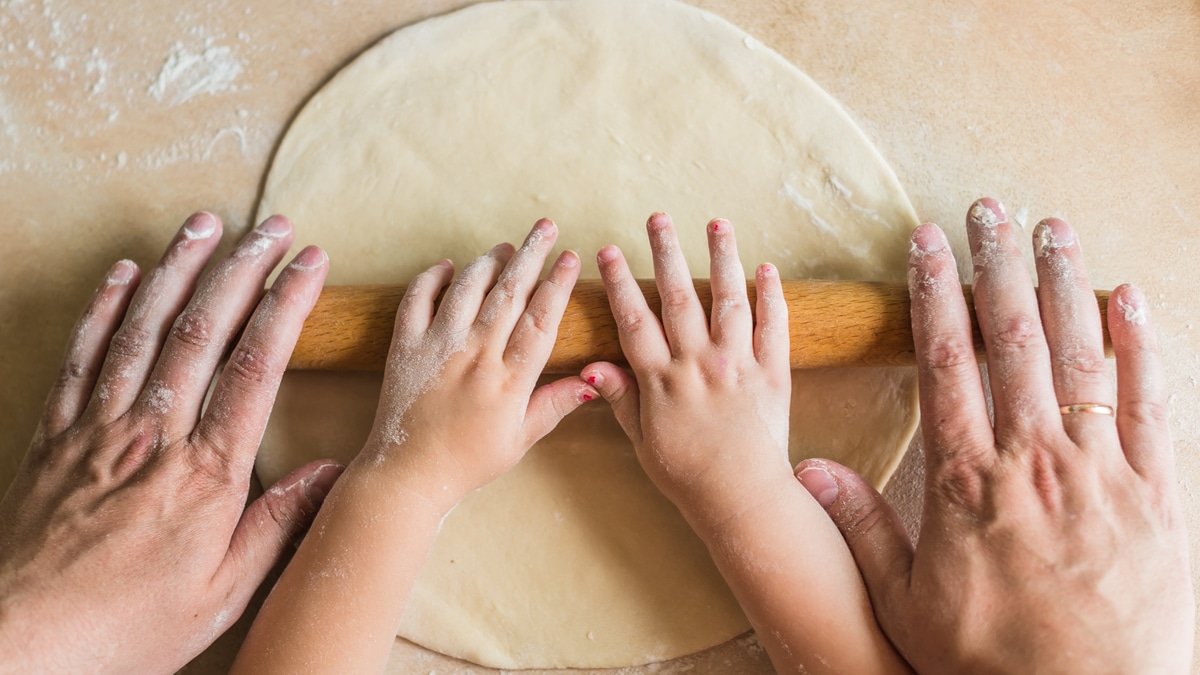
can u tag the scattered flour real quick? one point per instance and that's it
(186, 74)
(982, 216)
(1134, 313)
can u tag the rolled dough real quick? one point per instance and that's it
(458, 132)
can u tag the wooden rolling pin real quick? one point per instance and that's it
(833, 323)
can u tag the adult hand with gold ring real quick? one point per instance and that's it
(126, 545)
(1052, 538)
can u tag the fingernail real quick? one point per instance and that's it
(589, 395)
(928, 238)
(275, 226)
(320, 482)
(1132, 303)
(310, 258)
(820, 484)
(595, 379)
(987, 213)
(1052, 234)
(200, 225)
(122, 273)
(568, 259)
(766, 270)
(607, 254)
(658, 219)
(718, 225)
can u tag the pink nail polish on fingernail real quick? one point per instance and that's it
(587, 397)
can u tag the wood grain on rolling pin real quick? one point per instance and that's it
(833, 323)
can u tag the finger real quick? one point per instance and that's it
(772, 339)
(641, 335)
(415, 313)
(621, 391)
(533, 337)
(85, 350)
(954, 417)
(551, 402)
(271, 524)
(1018, 358)
(731, 324)
(160, 297)
(460, 306)
(1073, 332)
(232, 427)
(200, 336)
(683, 321)
(506, 302)
(871, 528)
(1141, 387)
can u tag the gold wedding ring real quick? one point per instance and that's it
(1093, 408)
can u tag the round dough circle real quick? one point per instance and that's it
(458, 132)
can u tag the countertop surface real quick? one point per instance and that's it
(117, 120)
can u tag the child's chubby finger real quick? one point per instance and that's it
(642, 338)
(550, 403)
(533, 336)
(683, 316)
(415, 313)
(461, 304)
(504, 304)
(621, 391)
(772, 336)
(731, 324)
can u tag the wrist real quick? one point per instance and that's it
(393, 472)
(713, 507)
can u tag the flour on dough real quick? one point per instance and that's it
(459, 132)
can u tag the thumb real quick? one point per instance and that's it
(871, 528)
(273, 522)
(550, 403)
(621, 391)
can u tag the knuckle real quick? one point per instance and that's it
(1017, 331)
(252, 364)
(1081, 360)
(870, 516)
(959, 483)
(72, 371)
(630, 322)
(676, 299)
(1145, 412)
(194, 329)
(130, 341)
(945, 353)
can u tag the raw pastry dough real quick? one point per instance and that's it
(458, 132)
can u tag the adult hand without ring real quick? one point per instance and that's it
(125, 543)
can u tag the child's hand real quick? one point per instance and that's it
(708, 412)
(458, 406)
(708, 415)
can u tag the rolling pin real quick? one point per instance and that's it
(832, 324)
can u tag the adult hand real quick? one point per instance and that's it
(125, 543)
(1051, 541)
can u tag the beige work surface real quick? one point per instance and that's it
(119, 119)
